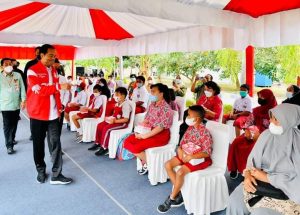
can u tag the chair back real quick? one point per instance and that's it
(174, 130)
(104, 102)
(132, 115)
(220, 136)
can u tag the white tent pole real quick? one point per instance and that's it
(121, 67)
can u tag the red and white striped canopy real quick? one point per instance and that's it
(129, 27)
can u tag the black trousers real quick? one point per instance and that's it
(10, 124)
(61, 122)
(39, 129)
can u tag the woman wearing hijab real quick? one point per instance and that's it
(275, 160)
(260, 116)
(295, 99)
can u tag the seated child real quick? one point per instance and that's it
(240, 149)
(118, 120)
(89, 112)
(78, 101)
(140, 95)
(193, 154)
(242, 108)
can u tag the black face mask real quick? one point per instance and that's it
(262, 101)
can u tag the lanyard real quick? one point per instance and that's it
(9, 82)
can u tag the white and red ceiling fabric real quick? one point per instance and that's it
(131, 27)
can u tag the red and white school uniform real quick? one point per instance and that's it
(140, 94)
(159, 114)
(43, 96)
(96, 102)
(241, 105)
(103, 129)
(80, 99)
(199, 136)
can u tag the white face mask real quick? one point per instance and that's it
(178, 81)
(96, 94)
(289, 95)
(133, 79)
(102, 85)
(275, 129)
(139, 85)
(190, 121)
(208, 93)
(150, 81)
(8, 69)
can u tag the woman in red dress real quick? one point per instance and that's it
(159, 119)
(211, 101)
(260, 116)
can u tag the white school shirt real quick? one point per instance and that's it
(65, 95)
(97, 101)
(81, 98)
(243, 104)
(140, 95)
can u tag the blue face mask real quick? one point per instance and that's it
(153, 98)
(243, 94)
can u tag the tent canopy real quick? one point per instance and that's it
(130, 27)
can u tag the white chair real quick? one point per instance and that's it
(72, 113)
(158, 156)
(206, 191)
(115, 135)
(89, 125)
(181, 103)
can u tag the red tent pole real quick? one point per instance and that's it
(250, 68)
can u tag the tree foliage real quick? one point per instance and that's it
(230, 61)
(107, 63)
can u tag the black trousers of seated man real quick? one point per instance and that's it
(39, 129)
(10, 124)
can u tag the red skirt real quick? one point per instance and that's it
(70, 109)
(136, 146)
(238, 154)
(207, 162)
(86, 115)
(139, 109)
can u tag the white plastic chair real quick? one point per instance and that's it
(157, 156)
(181, 103)
(72, 113)
(206, 191)
(115, 135)
(89, 125)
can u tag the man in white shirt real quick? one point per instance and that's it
(242, 108)
(140, 95)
